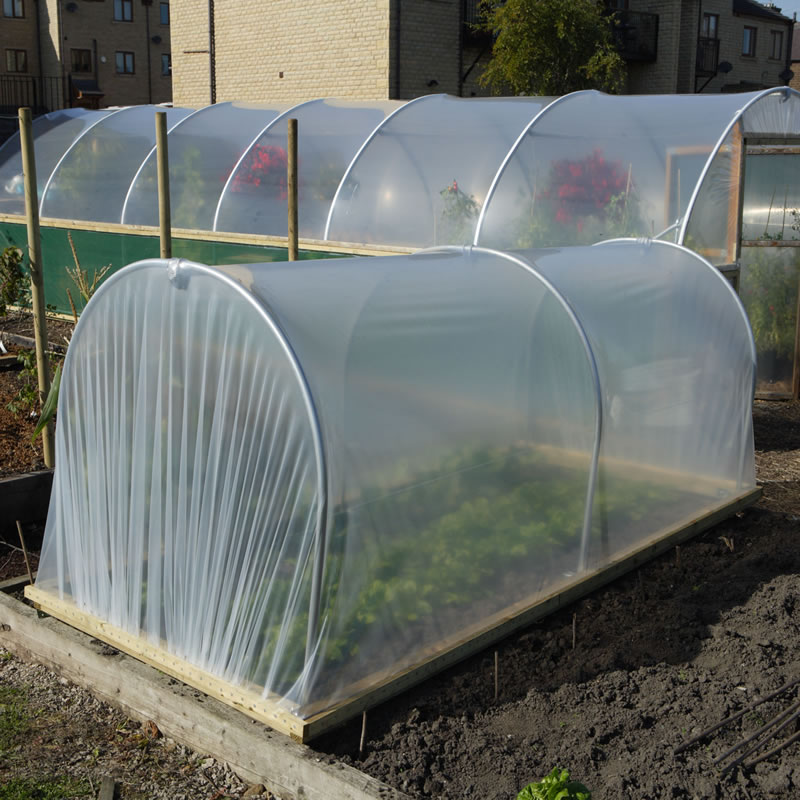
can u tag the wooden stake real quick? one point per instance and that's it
(291, 166)
(37, 275)
(162, 166)
(25, 552)
(574, 627)
(363, 733)
(496, 675)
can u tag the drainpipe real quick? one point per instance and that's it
(396, 93)
(212, 59)
(460, 48)
(149, 65)
(39, 56)
(789, 47)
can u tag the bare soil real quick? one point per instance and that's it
(659, 656)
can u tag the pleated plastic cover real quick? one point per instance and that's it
(304, 478)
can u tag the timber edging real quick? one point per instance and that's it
(25, 497)
(252, 750)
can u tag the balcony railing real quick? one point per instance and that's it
(474, 17)
(707, 57)
(636, 35)
(39, 94)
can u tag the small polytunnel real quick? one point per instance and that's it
(593, 166)
(53, 134)
(93, 176)
(422, 177)
(304, 479)
(203, 150)
(330, 132)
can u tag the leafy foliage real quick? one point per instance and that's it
(584, 200)
(12, 278)
(44, 789)
(458, 216)
(551, 47)
(555, 786)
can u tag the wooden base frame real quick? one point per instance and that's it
(379, 687)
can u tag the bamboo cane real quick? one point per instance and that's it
(292, 184)
(162, 160)
(37, 276)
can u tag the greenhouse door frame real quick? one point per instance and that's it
(746, 146)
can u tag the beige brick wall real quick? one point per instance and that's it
(282, 51)
(93, 27)
(679, 22)
(19, 34)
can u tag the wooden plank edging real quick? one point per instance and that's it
(252, 750)
(25, 497)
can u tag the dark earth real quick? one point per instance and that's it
(659, 656)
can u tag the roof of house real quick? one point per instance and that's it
(751, 8)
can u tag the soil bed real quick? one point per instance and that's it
(659, 656)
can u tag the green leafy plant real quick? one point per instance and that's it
(12, 278)
(458, 216)
(555, 786)
(551, 47)
(584, 200)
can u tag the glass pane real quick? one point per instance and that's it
(768, 286)
(771, 197)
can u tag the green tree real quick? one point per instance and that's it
(551, 47)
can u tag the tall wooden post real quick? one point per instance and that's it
(162, 165)
(37, 277)
(292, 182)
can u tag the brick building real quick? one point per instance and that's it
(687, 46)
(95, 53)
(377, 49)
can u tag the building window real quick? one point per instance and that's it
(164, 11)
(710, 26)
(13, 8)
(749, 41)
(776, 40)
(124, 62)
(123, 10)
(16, 61)
(81, 60)
(166, 64)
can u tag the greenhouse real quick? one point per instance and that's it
(718, 173)
(295, 486)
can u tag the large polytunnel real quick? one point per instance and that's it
(304, 480)
(423, 175)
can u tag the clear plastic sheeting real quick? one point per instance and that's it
(53, 134)
(92, 177)
(422, 178)
(709, 224)
(308, 478)
(330, 133)
(203, 150)
(593, 167)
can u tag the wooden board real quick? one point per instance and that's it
(350, 248)
(376, 688)
(253, 751)
(25, 497)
